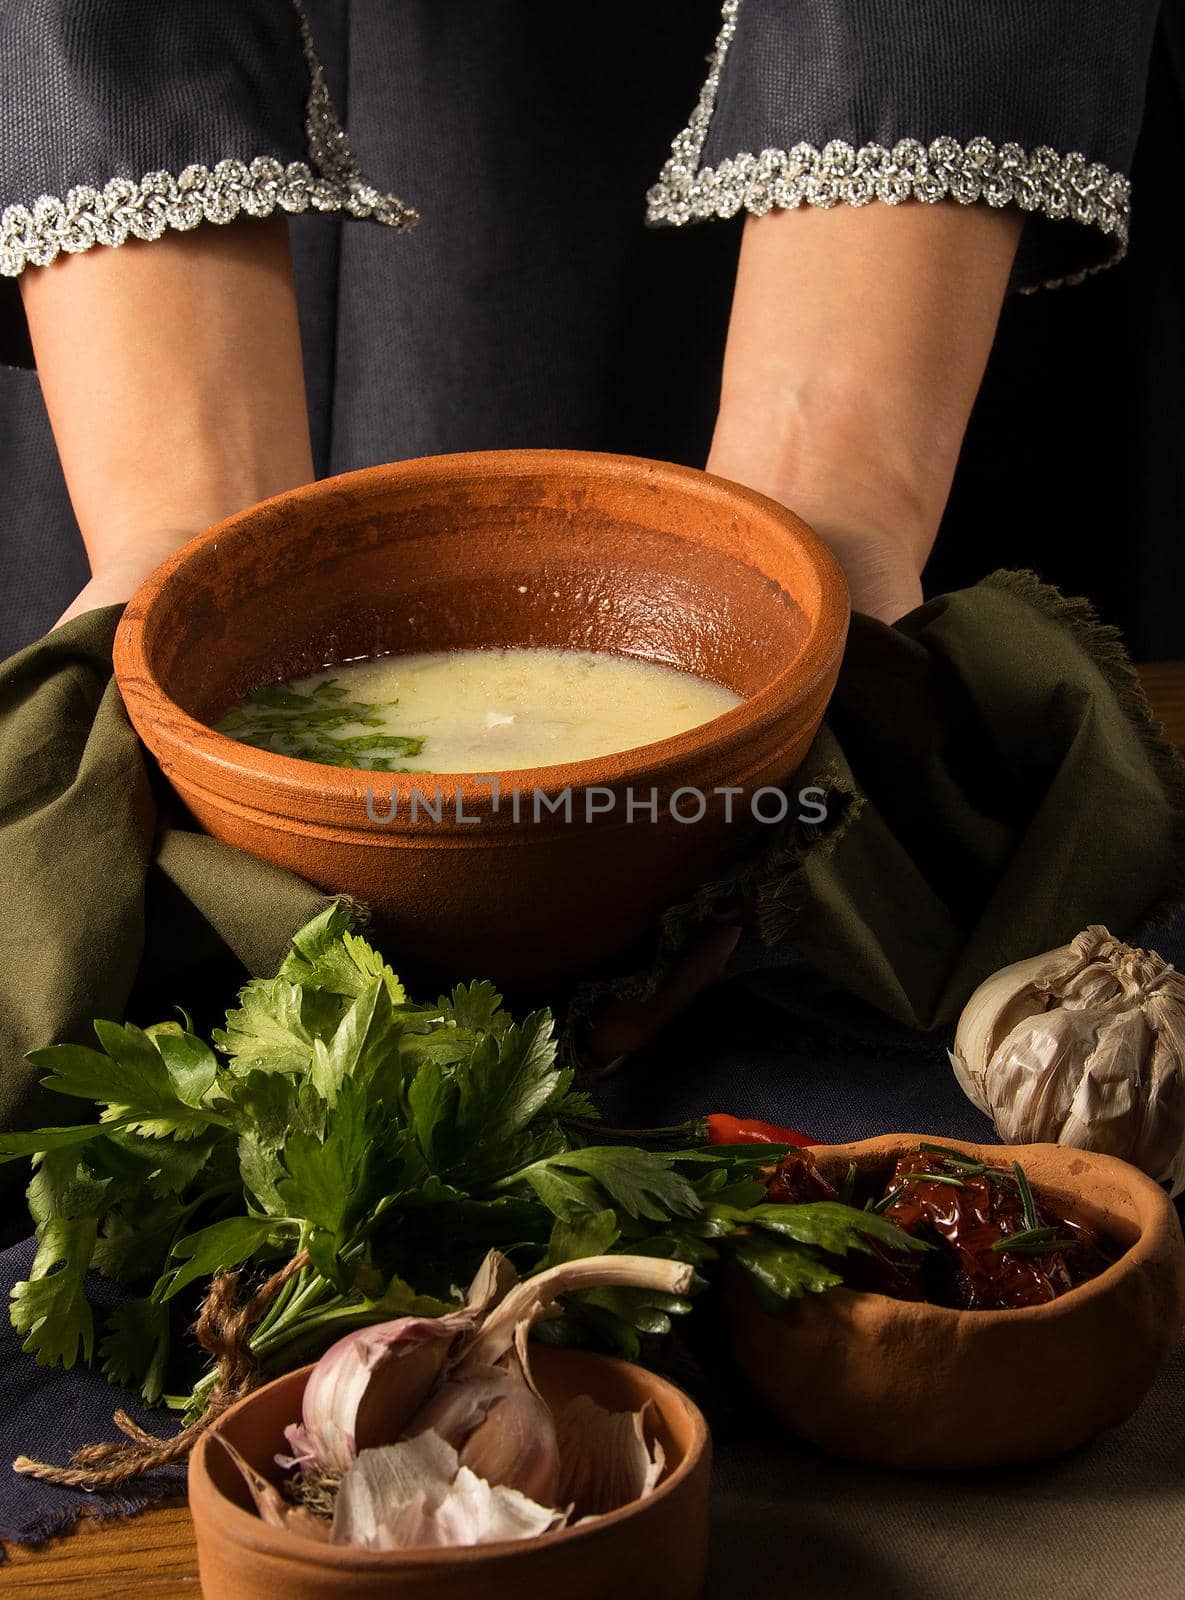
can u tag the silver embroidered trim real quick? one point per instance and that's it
(126, 209)
(333, 155)
(1059, 187)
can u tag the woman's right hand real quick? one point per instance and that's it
(118, 578)
(173, 380)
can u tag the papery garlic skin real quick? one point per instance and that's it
(418, 1495)
(269, 1502)
(1083, 1046)
(607, 1460)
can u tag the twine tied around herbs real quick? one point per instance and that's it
(223, 1329)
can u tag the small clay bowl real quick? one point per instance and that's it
(901, 1384)
(657, 1548)
(509, 548)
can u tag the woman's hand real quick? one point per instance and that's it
(118, 578)
(173, 379)
(856, 346)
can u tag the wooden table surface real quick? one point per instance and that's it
(152, 1557)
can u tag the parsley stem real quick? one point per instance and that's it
(304, 1325)
(279, 1306)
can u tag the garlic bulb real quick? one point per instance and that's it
(430, 1431)
(1082, 1046)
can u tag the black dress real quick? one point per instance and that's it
(533, 306)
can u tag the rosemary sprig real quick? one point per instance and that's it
(998, 1176)
(893, 1194)
(847, 1187)
(933, 1177)
(1034, 1242)
(954, 1157)
(1032, 1222)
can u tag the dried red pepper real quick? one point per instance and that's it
(717, 1128)
(723, 1129)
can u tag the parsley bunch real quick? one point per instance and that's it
(395, 1143)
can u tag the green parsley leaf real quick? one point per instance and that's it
(641, 1182)
(781, 1271)
(268, 1032)
(590, 1233)
(476, 1007)
(191, 1064)
(568, 1197)
(15, 1145)
(51, 1308)
(507, 1083)
(432, 1100)
(132, 1248)
(647, 1312)
(134, 1348)
(64, 1186)
(129, 1078)
(829, 1225)
(326, 1177)
(212, 1250)
(363, 1043)
(328, 955)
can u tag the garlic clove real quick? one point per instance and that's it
(368, 1386)
(501, 1429)
(1107, 1107)
(1159, 1147)
(517, 1444)
(1000, 1004)
(607, 1462)
(417, 1494)
(1037, 1089)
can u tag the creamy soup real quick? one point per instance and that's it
(475, 710)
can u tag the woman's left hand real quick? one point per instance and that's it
(856, 345)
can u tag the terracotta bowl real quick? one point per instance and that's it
(901, 1384)
(654, 1550)
(537, 548)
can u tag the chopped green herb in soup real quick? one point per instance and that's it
(475, 710)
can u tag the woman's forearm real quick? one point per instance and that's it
(856, 346)
(172, 375)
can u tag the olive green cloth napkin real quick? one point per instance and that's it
(995, 784)
(1013, 787)
(104, 906)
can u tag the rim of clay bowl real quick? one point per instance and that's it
(1132, 1258)
(252, 1529)
(808, 671)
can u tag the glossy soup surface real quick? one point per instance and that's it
(475, 710)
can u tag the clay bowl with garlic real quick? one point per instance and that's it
(558, 549)
(656, 1548)
(910, 1384)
